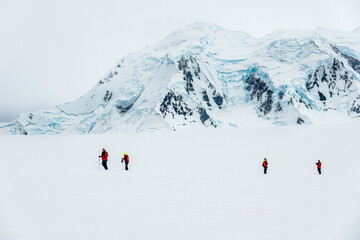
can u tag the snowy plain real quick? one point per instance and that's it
(189, 184)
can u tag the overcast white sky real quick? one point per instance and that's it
(55, 51)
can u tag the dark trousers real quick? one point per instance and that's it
(126, 165)
(104, 163)
(319, 170)
(265, 169)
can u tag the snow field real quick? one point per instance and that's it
(190, 184)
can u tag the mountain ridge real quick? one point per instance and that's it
(202, 72)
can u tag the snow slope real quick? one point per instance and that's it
(188, 184)
(202, 72)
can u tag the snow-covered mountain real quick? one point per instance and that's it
(208, 76)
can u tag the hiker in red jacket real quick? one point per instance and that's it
(126, 159)
(318, 166)
(265, 165)
(104, 157)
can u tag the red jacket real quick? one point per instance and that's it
(126, 158)
(104, 155)
(318, 165)
(265, 164)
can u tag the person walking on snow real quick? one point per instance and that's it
(318, 166)
(126, 159)
(104, 157)
(265, 165)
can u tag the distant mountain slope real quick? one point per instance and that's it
(205, 75)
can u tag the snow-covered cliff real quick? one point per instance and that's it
(204, 75)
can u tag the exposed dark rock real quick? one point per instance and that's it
(124, 109)
(183, 64)
(356, 106)
(307, 105)
(353, 62)
(311, 84)
(197, 71)
(335, 67)
(312, 42)
(174, 104)
(196, 68)
(335, 48)
(266, 105)
(281, 95)
(22, 131)
(334, 76)
(188, 77)
(219, 100)
(321, 96)
(203, 115)
(291, 101)
(278, 107)
(189, 82)
(108, 96)
(300, 121)
(206, 98)
(107, 78)
(261, 92)
(191, 72)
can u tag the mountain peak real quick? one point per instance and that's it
(195, 29)
(205, 75)
(204, 26)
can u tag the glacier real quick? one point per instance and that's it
(204, 75)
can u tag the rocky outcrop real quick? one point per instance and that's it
(107, 96)
(260, 92)
(330, 83)
(353, 62)
(355, 107)
(174, 104)
(200, 97)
